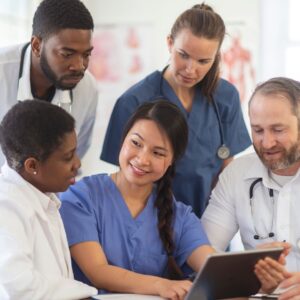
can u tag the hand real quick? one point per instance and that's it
(286, 249)
(270, 274)
(292, 281)
(173, 289)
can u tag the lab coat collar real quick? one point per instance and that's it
(24, 86)
(259, 170)
(45, 200)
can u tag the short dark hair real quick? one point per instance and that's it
(52, 16)
(33, 128)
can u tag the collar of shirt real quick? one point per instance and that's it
(258, 170)
(24, 86)
(41, 202)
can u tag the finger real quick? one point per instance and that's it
(293, 278)
(293, 293)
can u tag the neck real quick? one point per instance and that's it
(132, 192)
(184, 94)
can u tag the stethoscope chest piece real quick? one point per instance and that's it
(223, 152)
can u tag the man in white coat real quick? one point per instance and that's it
(258, 194)
(52, 67)
(39, 143)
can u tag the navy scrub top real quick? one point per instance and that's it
(200, 165)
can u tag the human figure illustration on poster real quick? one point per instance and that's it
(238, 66)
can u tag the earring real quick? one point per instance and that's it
(34, 172)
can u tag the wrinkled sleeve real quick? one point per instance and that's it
(189, 232)
(78, 214)
(84, 136)
(219, 218)
(123, 109)
(19, 279)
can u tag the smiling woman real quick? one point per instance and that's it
(126, 231)
(39, 143)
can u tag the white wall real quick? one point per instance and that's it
(161, 14)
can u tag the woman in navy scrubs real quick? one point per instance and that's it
(210, 104)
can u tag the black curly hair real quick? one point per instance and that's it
(33, 128)
(52, 16)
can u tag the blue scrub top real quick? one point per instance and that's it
(93, 210)
(200, 165)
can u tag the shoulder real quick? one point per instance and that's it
(86, 190)
(142, 91)
(226, 94)
(181, 210)
(11, 54)
(14, 201)
(241, 165)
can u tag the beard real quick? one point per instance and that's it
(52, 77)
(288, 158)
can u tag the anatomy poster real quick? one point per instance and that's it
(122, 54)
(239, 59)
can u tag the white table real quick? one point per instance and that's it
(127, 297)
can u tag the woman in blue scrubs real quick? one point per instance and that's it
(126, 231)
(210, 105)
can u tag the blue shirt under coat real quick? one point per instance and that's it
(200, 165)
(94, 210)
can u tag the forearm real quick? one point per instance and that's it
(117, 279)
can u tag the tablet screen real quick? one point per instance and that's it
(229, 275)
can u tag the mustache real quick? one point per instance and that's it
(79, 74)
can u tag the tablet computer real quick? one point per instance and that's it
(229, 275)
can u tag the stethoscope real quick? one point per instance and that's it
(65, 105)
(271, 194)
(271, 233)
(223, 151)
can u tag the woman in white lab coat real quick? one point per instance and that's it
(39, 143)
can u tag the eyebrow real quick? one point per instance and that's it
(156, 147)
(207, 58)
(73, 50)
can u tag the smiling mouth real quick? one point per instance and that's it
(138, 170)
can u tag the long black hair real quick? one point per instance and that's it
(171, 121)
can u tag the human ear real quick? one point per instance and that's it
(31, 166)
(170, 42)
(36, 43)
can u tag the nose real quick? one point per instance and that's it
(77, 64)
(144, 158)
(76, 163)
(268, 140)
(190, 66)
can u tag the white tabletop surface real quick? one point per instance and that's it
(127, 297)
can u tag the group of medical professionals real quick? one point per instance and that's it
(173, 134)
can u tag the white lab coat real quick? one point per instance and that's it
(34, 256)
(12, 90)
(230, 209)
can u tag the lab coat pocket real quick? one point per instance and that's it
(149, 262)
